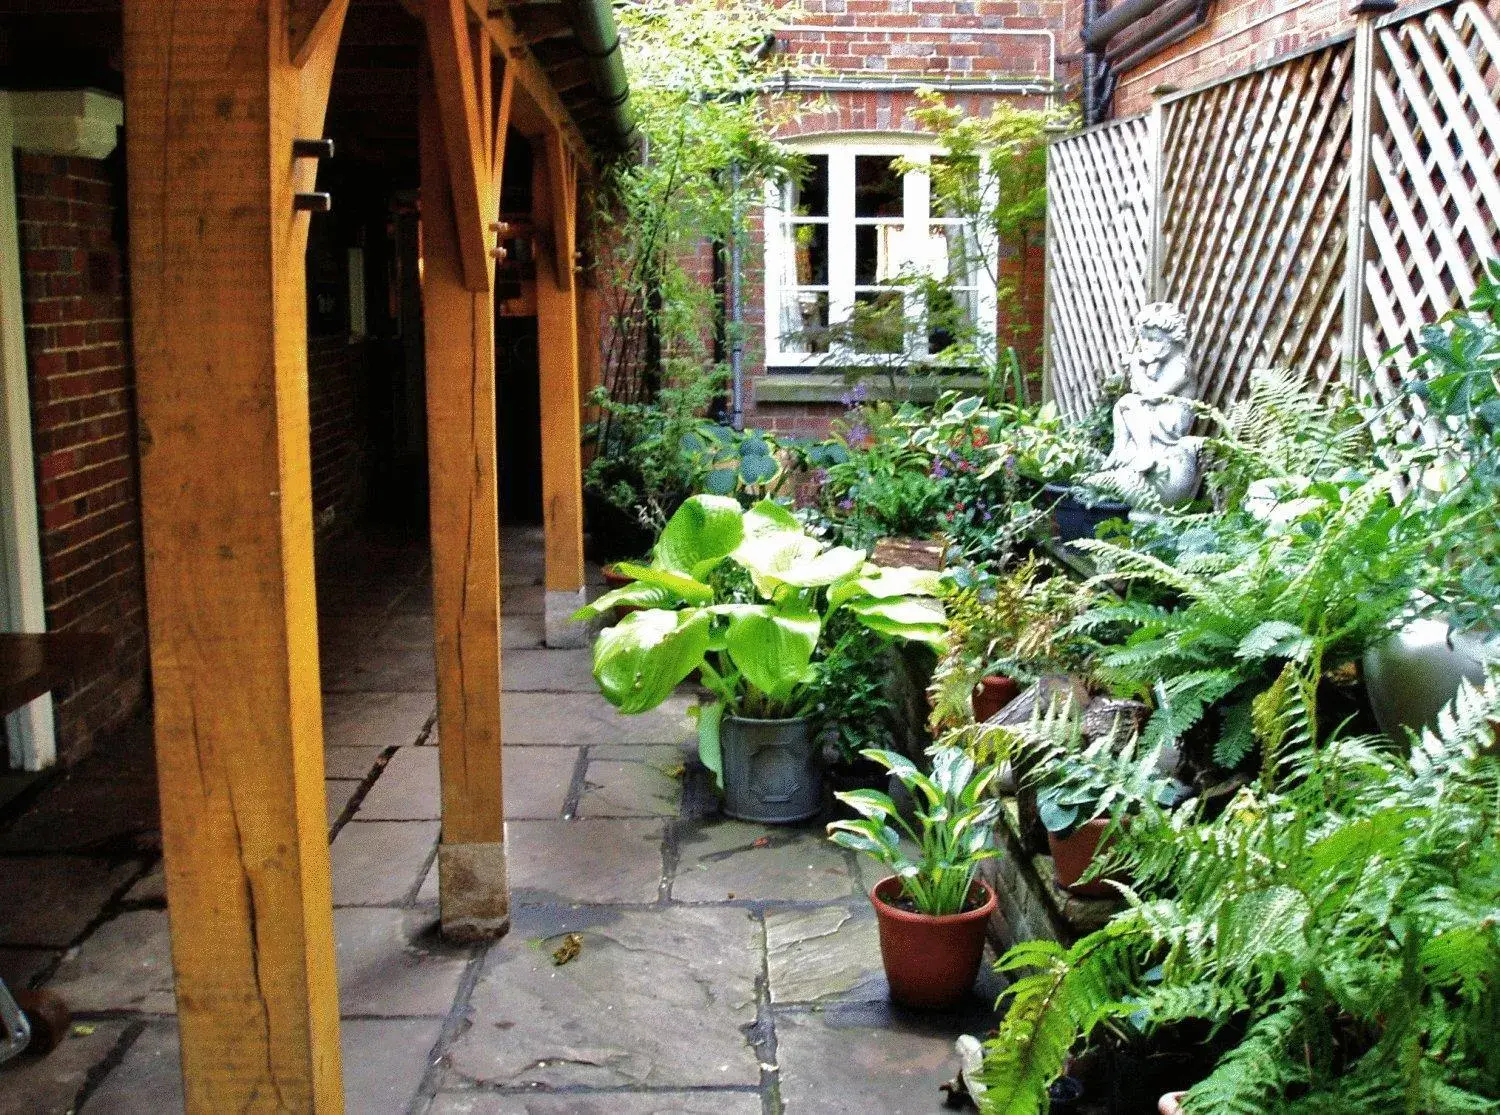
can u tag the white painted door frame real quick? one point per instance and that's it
(30, 731)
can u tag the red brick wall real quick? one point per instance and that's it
(83, 425)
(1239, 34)
(336, 377)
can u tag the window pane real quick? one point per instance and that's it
(809, 248)
(879, 324)
(804, 321)
(951, 318)
(877, 187)
(953, 253)
(875, 259)
(809, 196)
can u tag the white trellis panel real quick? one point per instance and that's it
(1100, 225)
(1435, 196)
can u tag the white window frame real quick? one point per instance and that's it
(842, 150)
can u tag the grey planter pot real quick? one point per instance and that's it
(1417, 671)
(771, 770)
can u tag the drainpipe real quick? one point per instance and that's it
(736, 307)
(593, 24)
(1093, 61)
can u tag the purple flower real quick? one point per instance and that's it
(858, 433)
(938, 471)
(846, 505)
(820, 476)
(854, 396)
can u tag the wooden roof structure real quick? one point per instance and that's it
(224, 105)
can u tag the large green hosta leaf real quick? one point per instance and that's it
(904, 617)
(703, 532)
(772, 649)
(684, 588)
(640, 660)
(783, 558)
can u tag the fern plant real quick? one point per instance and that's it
(1016, 623)
(1341, 912)
(1309, 577)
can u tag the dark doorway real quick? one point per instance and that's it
(519, 422)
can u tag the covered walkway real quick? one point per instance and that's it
(718, 967)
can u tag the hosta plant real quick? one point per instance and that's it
(952, 835)
(744, 598)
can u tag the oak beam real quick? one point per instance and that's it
(459, 335)
(219, 318)
(464, 120)
(557, 357)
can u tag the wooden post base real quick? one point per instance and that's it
(560, 630)
(474, 896)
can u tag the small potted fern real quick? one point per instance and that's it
(932, 908)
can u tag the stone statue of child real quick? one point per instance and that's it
(1152, 420)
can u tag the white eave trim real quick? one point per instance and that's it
(80, 123)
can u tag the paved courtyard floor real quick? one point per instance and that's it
(720, 967)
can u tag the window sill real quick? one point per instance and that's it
(831, 387)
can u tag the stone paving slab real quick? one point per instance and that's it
(721, 861)
(385, 1062)
(825, 954)
(655, 997)
(125, 964)
(83, 815)
(587, 718)
(522, 600)
(393, 963)
(350, 762)
(717, 1102)
(629, 789)
(150, 888)
(518, 632)
(378, 720)
(595, 861)
(51, 900)
(49, 1085)
(337, 794)
(549, 671)
(385, 670)
(19, 967)
(870, 1062)
(148, 1079)
(537, 780)
(407, 790)
(412, 630)
(667, 756)
(378, 863)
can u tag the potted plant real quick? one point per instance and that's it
(932, 908)
(1453, 632)
(1005, 631)
(744, 598)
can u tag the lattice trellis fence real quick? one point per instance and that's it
(1100, 220)
(1252, 189)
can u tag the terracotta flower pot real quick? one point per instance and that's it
(992, 694)
(1072, 855)
(930, 962)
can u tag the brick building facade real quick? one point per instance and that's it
(853, 69)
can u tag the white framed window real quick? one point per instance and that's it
(847, 235)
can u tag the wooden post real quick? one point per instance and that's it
(216, 93)
(459, 326)
(554, 194)
(1361, 179)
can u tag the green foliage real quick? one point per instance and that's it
(1341, 911)
(1016, 623)
(1309, 572)
(853, 692)
(752, 635)
(953, 834)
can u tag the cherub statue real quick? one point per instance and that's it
(1152, 419)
